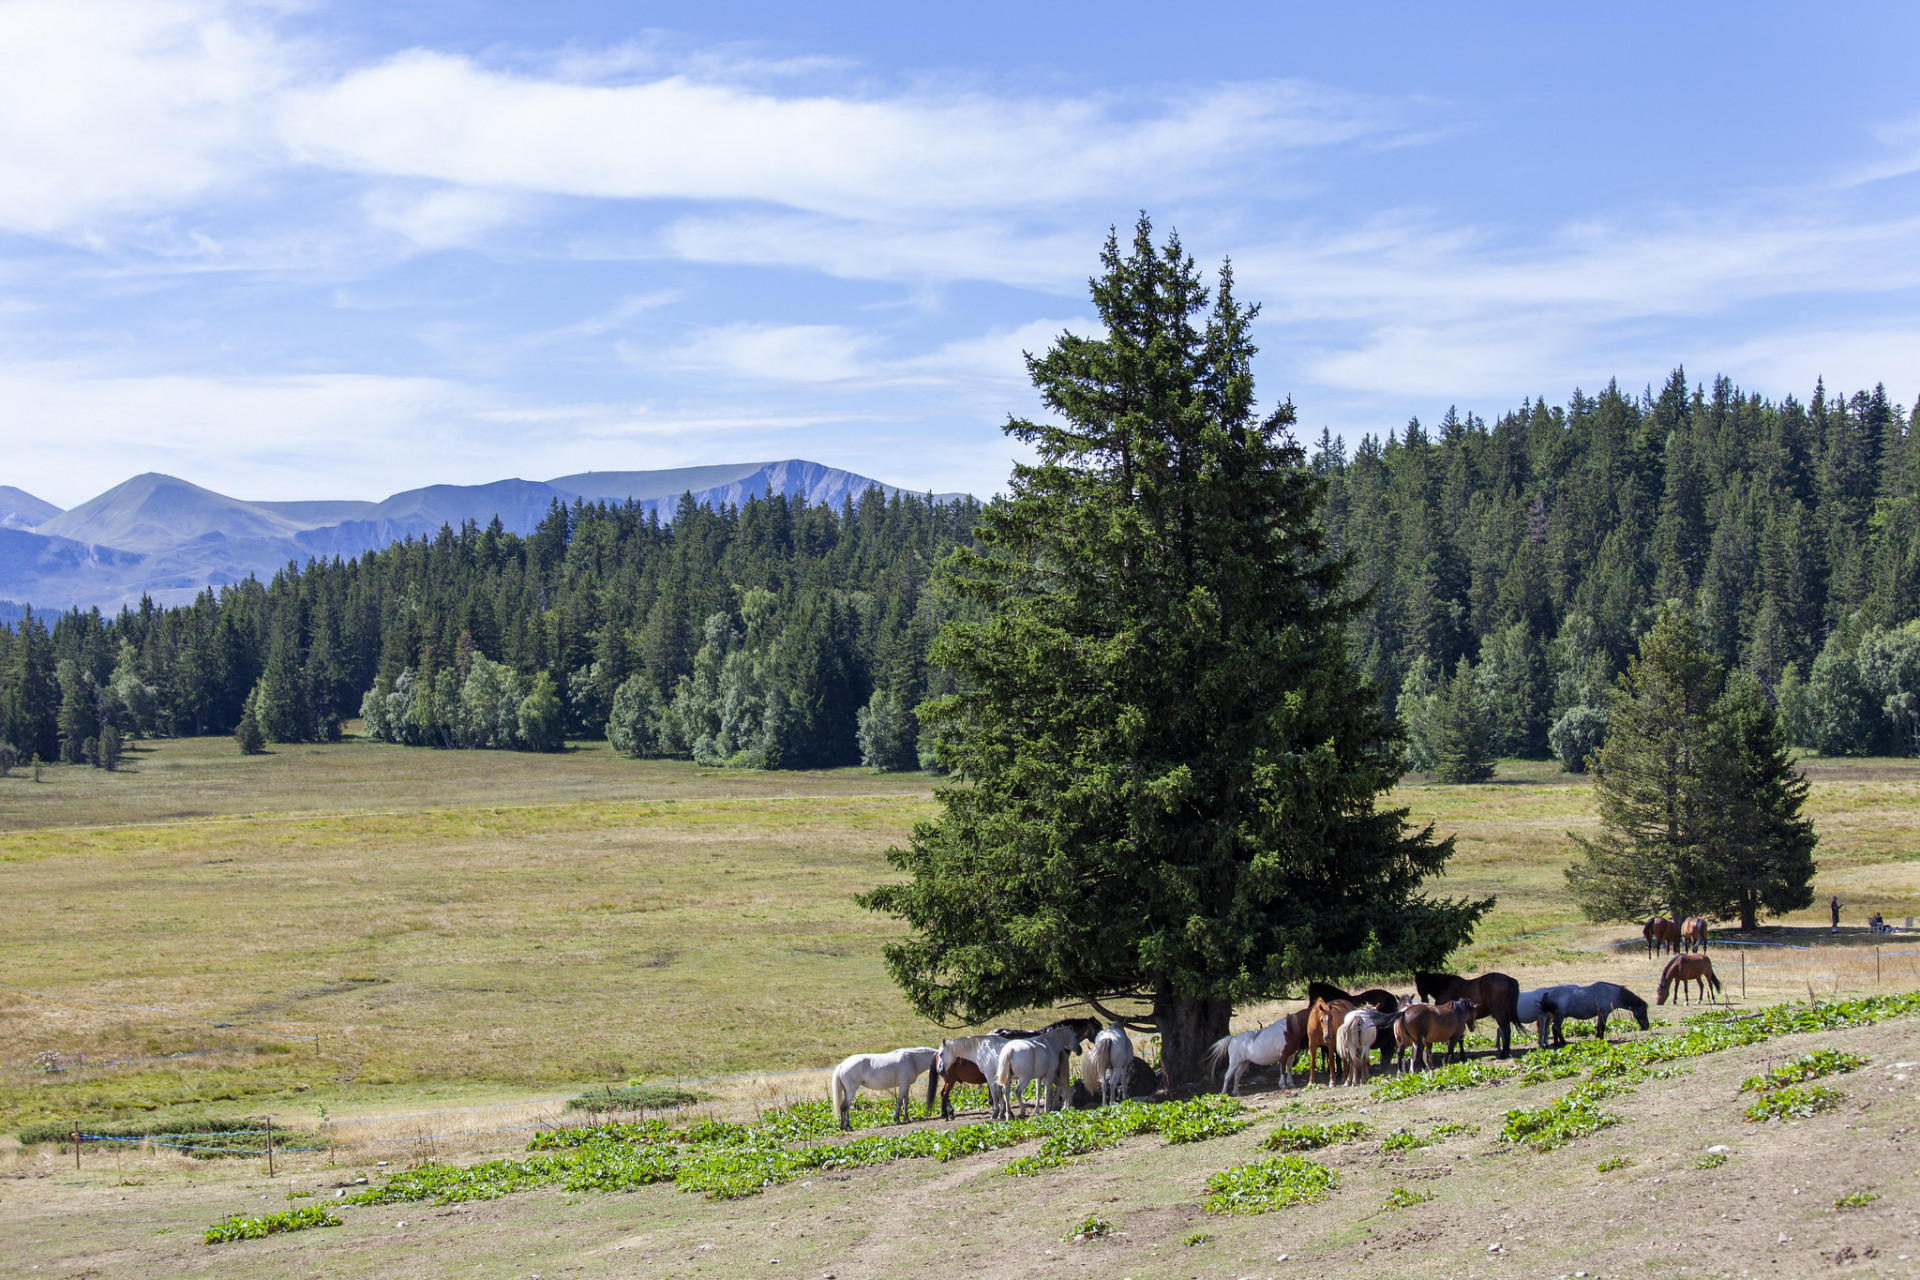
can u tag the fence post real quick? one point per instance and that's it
(269, 1146)
(1876, 966)
(76, 1148)
(1743, 975)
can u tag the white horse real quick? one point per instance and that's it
(984, 1053)
(896, 1071)
(1107, 1065)
(1024, 1061)
(1279, 1042)
(1356, 1038)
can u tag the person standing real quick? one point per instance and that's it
(1833, 904)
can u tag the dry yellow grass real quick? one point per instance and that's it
(475, 925)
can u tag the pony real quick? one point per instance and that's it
(1107, 1065)
(1693, 933)
(1323, 1024)
(1661, 934)
(1494, 995)
(1597, 1000)
(1065, 1036)
(1684, 969)
(1357, 1035)
(1421, 1026)
(1278, 1042)
(896, 1071)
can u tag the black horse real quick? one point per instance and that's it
(1596, 1001)
(1494, 995)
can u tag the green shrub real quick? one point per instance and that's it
(1088, 1228)
(1857, 1200)
(1309, 1137)
(1615, 1162)
(1269, 1184)
(1808, 1066)
(1794, 1102)
(1712, 1160)
(1402, 1198)
(241, 1227)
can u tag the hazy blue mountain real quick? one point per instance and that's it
(155, 512)
(21, 510)
(168, 538)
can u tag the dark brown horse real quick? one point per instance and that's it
(959, 1071)
(1494, 995)
(1693, 933)
(1661, 934)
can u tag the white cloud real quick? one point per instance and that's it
(126, 106)
(432, 115)
(804, 353)
(443, 217)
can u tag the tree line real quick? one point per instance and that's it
(1514, 568)
(775, 633)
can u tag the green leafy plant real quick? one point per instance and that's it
(1402, 1198)
(1269, 1184)
(1309, 1137)
(1454, 1129)
(1198, 1237)
(1712, 1160)
(1808, 1066)
(1856, 1200)
(1795, 1102)
(1575, 1115)
(1091, 1227)
(1404, 1140)
(1615, 1162)
(241, 1227)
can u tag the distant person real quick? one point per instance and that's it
(1833, 904)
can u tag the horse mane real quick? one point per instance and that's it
(1666, 977)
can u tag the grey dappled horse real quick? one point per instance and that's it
(1595, 1002)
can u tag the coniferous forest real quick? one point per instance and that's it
(1512, 570)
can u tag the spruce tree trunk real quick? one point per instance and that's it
(1188, 1027)
(1748, 915)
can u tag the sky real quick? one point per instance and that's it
(291, 250)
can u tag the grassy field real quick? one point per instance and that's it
(462, 930)
(461, 925)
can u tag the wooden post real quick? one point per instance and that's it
(269, 1146)
(1876, 966)
(1743, 975)
(76, 1148)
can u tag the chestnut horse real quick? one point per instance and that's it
(1373, 997)
(1693, 933)
(1494, 995)
(1323, 1025)
(1662, 935)
(1421, 1026)
(1684, 969)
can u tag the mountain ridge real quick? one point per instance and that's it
(159, 535)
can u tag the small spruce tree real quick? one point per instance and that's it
(252, 741)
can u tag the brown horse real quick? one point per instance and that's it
(1323, 1025)
(959, 1071)
(1373, 998)
(1662, 935)
(1684, 969)
(1693, 933)
(1421, 1026)
(1494, 995)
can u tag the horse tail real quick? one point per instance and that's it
(1003, 1071)
(837, 1091)
(1218, 1050)
(933, 1080)
(1713, 979)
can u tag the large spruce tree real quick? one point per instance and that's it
(1165, 764)
(1760, 851)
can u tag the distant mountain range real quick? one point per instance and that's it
(161, 536)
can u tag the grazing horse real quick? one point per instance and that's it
(1684, 969)
(1323, 1024)
(896, 1071)
(1597, 1001)
(1421, 1026)
(1494, 995)
(1357, 1036)
(1107, 1065)
(1279, 1042)
(1662, 935)
(1693, 933)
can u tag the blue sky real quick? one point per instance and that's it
(309, 250)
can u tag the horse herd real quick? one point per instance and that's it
(1347, 1028)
